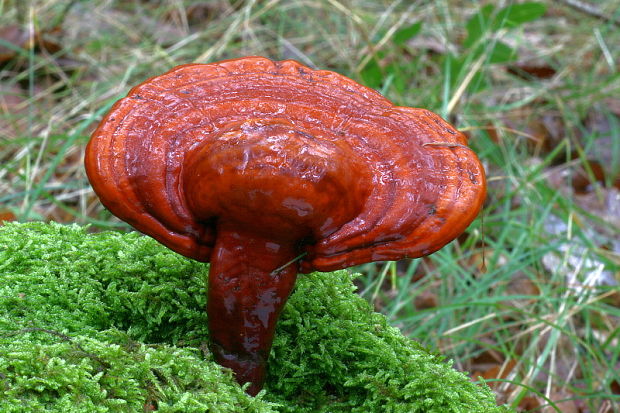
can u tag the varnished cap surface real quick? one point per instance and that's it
(286, 151)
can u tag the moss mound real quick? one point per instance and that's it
(115, 322)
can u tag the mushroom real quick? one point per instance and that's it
(268, 168)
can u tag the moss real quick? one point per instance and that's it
(115, 322)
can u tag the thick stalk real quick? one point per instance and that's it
(245, 298)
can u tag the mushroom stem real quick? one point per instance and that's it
(245, 298)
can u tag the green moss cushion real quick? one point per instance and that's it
(116, 323)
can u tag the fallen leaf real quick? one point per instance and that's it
(530, 71)
(586, 175)
(16, 37)
(12, 109)
(565, 406)
(529, 403)
(19, 38)
(613, 105)
(499, 371)
(486, 360)
(426, 299)
(6, 215)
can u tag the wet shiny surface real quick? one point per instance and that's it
(245, 299)
(251, 153)
(276, 180)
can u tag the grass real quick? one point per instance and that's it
(529, 296)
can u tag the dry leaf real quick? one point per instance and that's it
(6, 215)
(12, 109)
(14, 35)
(426, 299)
(566, 406)
(529, 71)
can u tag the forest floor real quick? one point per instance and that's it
(529, 297)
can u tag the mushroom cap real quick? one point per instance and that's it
(351, 177)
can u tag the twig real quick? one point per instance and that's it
(447, 145)
(592, 11)
(297, 258)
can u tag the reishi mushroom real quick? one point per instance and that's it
(269, 168)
